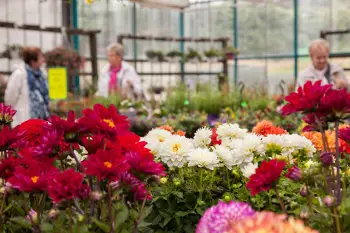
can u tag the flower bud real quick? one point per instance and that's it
(304, 191)
(227, 198)
(177, 182)
(326, 158)
(294, 173)
(33, 217)
(329, 200)
(96, 195)
(53, 213)
(80, 218)
(304, 214)
(163, 180)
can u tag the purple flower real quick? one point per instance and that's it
(294, 173)
(212, 119)
(326, 158)
(223, 216)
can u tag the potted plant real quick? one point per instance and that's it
(230, 52)
(193, 56)
(174, 56)
(212, 55)
(65, 57)
(12, 51)
(155, 56)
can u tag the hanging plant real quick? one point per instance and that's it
(212, 55)
(64, 57)
(155, 56)
(12, 51)
(193, 56)
(174, 56)
(230, 52)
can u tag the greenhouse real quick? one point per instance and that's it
(170, 116)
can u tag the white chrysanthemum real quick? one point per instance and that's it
(250, 146)
(295, 142)
(155, 138)
(249, 169)
(225, 155)
(203, 158)
(227, 132)
(174, 151)
(274, 142)
(202, 137)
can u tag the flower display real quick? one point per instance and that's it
(265, 176)
(223, 216)
(227, 132)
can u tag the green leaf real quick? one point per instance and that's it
(103, 226)
(166, 221)
(146, 212)
(22, 221)
(80, 228)
(46, 227)
(178, 194)
(184, 213)
(121, 216)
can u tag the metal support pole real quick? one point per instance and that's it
(93, 54)
(235, 39)
(75, 39)
(134, 32)
(296, 55)
(182, 46)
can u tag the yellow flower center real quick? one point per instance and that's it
(176, 147)
(107, 164)
(35, 179)
(109, 122)
(161, 139)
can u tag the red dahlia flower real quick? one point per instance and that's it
(106, 164)
(7, 167)
(214, 138)
(344, 134)
(265, 176)
(137, 187)
(306, 98)
(67, 185)
(70, 127)
(92, 143)
(6, 114)
(131, 142)
(7, 137)
(144, 163)
(32, 178)
(313, 121)
(335, 101)
(106, 121)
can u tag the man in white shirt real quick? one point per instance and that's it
(321, 69)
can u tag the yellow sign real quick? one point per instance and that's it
(57, 83)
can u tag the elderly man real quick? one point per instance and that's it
(321, 69)
(118, 77)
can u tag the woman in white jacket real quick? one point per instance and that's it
(118, 77)
(27, 90)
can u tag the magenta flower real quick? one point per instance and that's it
(222, 217)
(6, 114)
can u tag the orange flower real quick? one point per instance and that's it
(316, 139)
(269, 222)
(167, 128)
(265, 128)
(181, 133)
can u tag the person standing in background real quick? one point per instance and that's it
(321, 69)
(118, 77)
(27, 89)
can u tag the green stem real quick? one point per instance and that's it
(337, 221)
(111, 219)
(70, 220)
(337, 163)
(280, 200)
(140, 217)
(228, 179)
